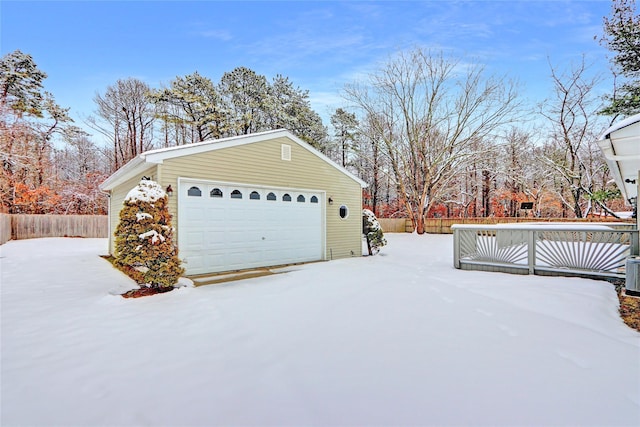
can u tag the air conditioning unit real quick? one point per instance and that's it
(632, 285)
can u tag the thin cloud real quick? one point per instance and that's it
(223, 35)
(299, 47)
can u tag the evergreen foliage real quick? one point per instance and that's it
(622, 36)
(373, 232)
(193, 102)
(144, 237)
(21, 83)
(345, 125)
(194, 108)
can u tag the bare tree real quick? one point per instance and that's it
(572, 116)
(430, 111)
(125, 116)
(369, 162)
(80, 168)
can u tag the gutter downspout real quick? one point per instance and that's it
(108, 194)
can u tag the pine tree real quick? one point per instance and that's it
(622, 37)
(345, 126)
(144, 237)
(373, 232)
(21, 86)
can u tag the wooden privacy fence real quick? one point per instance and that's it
(396, 225)
(34, 226)
(5, 228)
(443, 225)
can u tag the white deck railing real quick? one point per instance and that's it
(539, 248)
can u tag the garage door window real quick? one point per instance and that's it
(216, 192)
(286, 198)
(236, 194)
(254, 195)
(301, 199)
(343, 212)
(194, 192)
(314, 199)
(271, 196)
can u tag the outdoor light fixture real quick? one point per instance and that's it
(330, 201)
(169, 191)
(630, 181)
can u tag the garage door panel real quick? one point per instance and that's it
(215, 240)
(216, 213)
(195, 214)
(195, 241)
(195, 262)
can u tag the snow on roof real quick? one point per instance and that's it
(228, 141)
(621, 124)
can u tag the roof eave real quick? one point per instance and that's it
(134, 167)
(620, 125)
(614, 168)
(621, 161)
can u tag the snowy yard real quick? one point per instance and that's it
(396, 339)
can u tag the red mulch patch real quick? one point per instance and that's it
(630, 311)
(145, 292)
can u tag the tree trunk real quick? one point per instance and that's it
(418, 224)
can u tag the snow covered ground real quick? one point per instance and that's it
(401, 338)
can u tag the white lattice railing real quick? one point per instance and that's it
(584, 249)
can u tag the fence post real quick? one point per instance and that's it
(14, 227)
(531, 250)
(456, 247)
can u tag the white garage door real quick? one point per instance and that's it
(223, 227)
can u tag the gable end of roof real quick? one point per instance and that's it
(157, 156)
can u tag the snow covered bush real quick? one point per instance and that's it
(144, 237)
(373, 232)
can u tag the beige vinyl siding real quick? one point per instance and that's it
(116, 200)
(261, 164)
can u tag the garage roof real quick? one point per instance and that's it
(620, 145)
(142, 162)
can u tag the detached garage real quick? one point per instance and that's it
(250, 201)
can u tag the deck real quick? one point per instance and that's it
(561, 249)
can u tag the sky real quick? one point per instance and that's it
(320, 45)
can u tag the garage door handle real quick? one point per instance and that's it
(264, 238)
